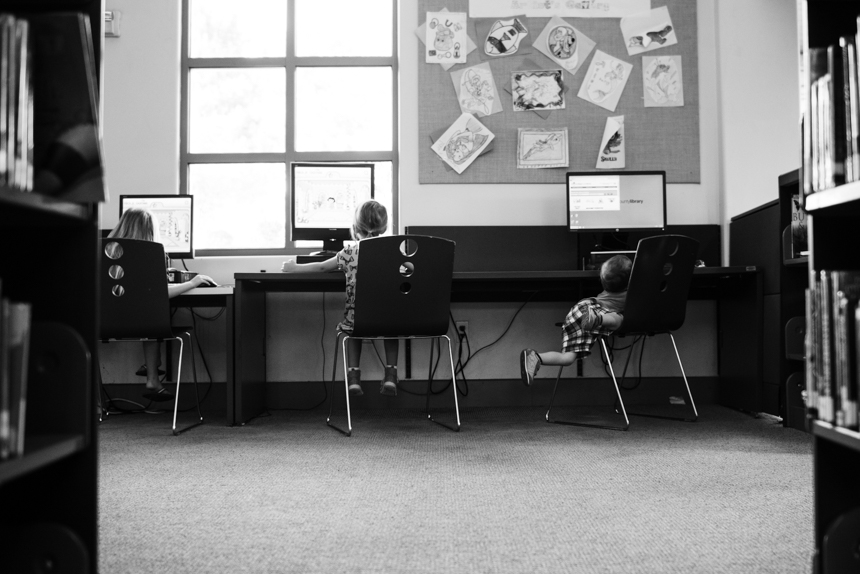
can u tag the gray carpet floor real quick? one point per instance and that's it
(508, 494)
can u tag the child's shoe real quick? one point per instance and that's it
(388, 386)
(529, 365)
(353, 378)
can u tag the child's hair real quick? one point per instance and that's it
(615, 273)
(135, 224)
(371, 219)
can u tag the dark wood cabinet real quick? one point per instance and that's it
(756, 238)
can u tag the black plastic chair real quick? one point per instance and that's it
(402, 291)
(134, 303)
(656, 304)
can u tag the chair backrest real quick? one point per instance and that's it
(133, 290)
(659, 284)
(403, 286)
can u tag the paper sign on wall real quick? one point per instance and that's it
(662, 82)
(564, 44)
(463, 142)
(542, 148)
(421, 32)
(605, 80)
(611, 154)
(476, 90)
(545, 8)
(446, 38)
(501, 38)
(648, 31)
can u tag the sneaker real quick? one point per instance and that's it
(529, 365)
(388, 386)
(353, 378)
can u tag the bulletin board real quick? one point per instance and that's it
(656, 138)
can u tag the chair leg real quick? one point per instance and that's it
(552, 398)
(103, 412)
(620, 402)
(686, 384)
(695, 413)
(348, 431)
(453, 387)
(177, 432)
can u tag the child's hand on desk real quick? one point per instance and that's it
(199, 280)
(289, 266)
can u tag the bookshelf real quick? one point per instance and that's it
(833, 213)
(49, 257)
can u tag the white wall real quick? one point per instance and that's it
(141, 102)
(748, 136)
(759, 137)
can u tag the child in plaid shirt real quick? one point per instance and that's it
(586, 320)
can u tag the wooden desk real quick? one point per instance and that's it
(737, 289)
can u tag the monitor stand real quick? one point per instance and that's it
(614, 241)
(330, 248)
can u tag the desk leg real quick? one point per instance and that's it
(249, 388)
(740, 342)
(230, 350)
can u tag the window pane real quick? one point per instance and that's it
(382, 190)
(239, 206)
(230, 29)
(343, 109)
(343, 28)
(237, 110)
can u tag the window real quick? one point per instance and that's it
(266, 83)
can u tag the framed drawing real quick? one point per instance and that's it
(537, 90)
(542, 148)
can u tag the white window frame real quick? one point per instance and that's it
(291, 62)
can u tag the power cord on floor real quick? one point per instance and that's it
(460, 367)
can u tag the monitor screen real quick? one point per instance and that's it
(616, 201)
(174, 219)
(324, 197)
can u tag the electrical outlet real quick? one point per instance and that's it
(462, 327)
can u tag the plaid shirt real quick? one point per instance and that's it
(574, 337)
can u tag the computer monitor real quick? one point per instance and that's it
(174, 219)
(323, 199)
(616, 201)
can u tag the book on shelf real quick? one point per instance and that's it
(835, 158)
(817, 58)
(67, 153)
(810, 350)
(49, 136)
(6, 26)
(799, 232)
(16, 102)
(826, 399)
(15, 326)
(830, 119)
(20, 320)
(845, 286)
(852, 109)
(832, 347)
